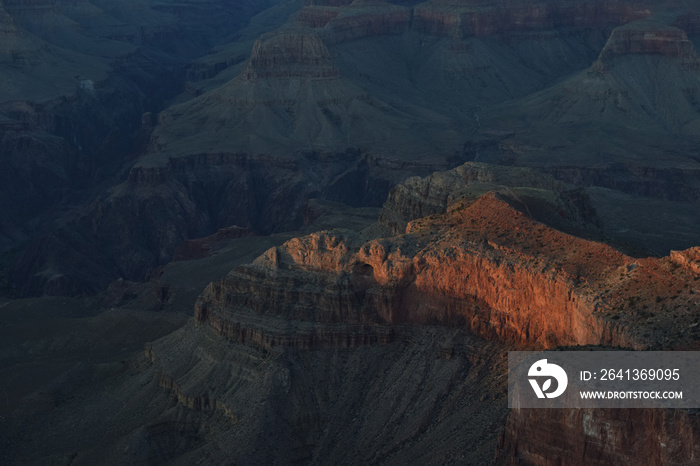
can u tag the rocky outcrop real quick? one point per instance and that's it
(642, 38)
(486, 266)
(540, 195)
(140, 223)
(287, 55)
(669, 42)
(290, 308)
(689, 259)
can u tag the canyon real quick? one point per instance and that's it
(309, 232)
(433, 86)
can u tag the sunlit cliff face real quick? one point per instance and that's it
(486, 266)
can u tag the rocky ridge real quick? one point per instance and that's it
(482, 267)
(486, 266)
(465, 18)
(622, 84)
(543, 197)
(636, 39)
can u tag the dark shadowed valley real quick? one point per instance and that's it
(310, 231)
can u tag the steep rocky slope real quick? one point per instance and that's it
(362, 346)
(485, 266)
(542, 196)
(482, 275)
(580, 120)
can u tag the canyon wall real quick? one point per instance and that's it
(478, 263)
(477, 267)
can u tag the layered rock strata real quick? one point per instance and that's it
(469, 19)
(670, 42)
(353, 20)
(644, 38)
(485, 266)
(367, 21)
(289, 55)
(475, 264)
(428, 396)
(542, 196)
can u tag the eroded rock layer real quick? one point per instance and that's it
(473, 270)
(290, 55)
(486, 266)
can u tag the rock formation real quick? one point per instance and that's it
(689, 259)
(290, 55)
(573, 222)
(486, 266)
(479, 19)
(540, 195)
(301, 89)
(478, 265)
(668, 42)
